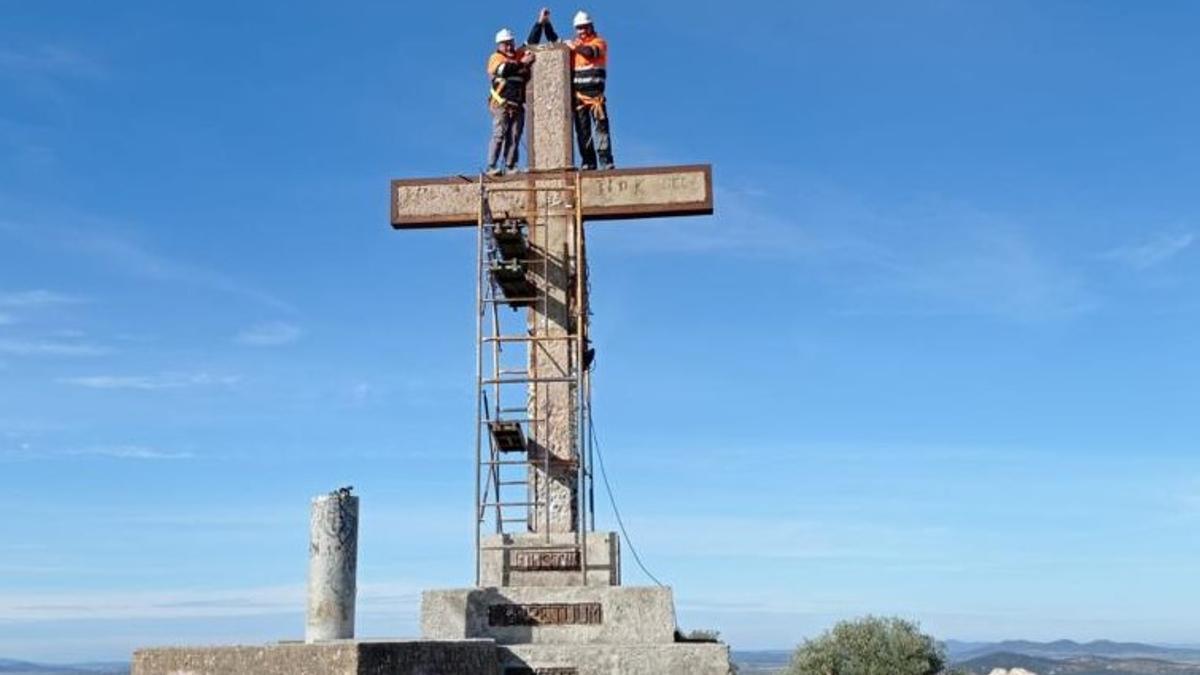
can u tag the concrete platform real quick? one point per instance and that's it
(531, 560)
(674, 659)
(571, 615)
(348, 657)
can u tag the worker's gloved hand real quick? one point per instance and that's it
(527, 58)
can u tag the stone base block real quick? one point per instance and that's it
(348, 657)
(530, 615)
(674, 659)
(534, 560)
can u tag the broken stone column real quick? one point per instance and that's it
(332, 567)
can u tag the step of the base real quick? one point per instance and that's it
(673, 659)
(559, 615)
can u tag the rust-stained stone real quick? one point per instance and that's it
(620, 193)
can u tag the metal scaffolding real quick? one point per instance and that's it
(514, 270)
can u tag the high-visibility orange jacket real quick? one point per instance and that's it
(589, 65)
(508, 77)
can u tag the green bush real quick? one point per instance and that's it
(870, 646)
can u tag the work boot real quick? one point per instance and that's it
(607, 167)
(515, 169)
(495, 171)
(587, 167)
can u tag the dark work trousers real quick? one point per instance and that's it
(508, 123)
(593, 145)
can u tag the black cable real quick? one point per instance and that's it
(613, 501)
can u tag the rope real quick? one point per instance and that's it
(613, 501)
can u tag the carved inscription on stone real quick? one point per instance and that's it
(545, 561)
(522, 670)
(622, 193)
(585, 614)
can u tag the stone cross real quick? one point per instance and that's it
(615, 194)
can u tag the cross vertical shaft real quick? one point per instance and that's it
(554, 450)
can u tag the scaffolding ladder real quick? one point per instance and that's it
(514, 270)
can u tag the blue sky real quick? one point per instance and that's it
(935, 355)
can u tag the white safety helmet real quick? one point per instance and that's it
(505, 35)
(582, 18)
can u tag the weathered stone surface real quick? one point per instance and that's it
(553, 402)
(673, 659)
(504, 568)
(621, 193)
(332, 567)
(418, 657)
(628, 615)
(548, 109)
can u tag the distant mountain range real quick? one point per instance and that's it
(965, 651)
(1075, 665)
(762, 662)
(11, 667)
(1063, 657)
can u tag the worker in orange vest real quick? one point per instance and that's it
(508, 70)
(589, 63)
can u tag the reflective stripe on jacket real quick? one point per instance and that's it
(589, 64)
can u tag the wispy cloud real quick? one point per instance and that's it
(49, 61)
(25, 451)
(1187, 503)
(152, 382)
(1154, 252)
(269, 334)
(130, 452)
(990, 269)
(794, 539)
(184, 603)
(36, 298)
(137, 260)
(142, 262)
(360, 392)
(928, 256)
(52, 348)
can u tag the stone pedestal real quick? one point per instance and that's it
(537, 560)
(343, 657)
(572, 630)
(563, 615)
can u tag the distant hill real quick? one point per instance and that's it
(11, 667)
(1076, 665)
(964, 651)
(762, 662)
(1062, 657)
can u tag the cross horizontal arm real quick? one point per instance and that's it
(607, 195)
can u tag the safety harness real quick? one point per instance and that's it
(499, 82)
(500, 100)
(594, 103)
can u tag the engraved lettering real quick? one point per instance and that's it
(583, 614)
(545, 561)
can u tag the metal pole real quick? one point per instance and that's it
(496, 349)
(580, 346)
(476, 509)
